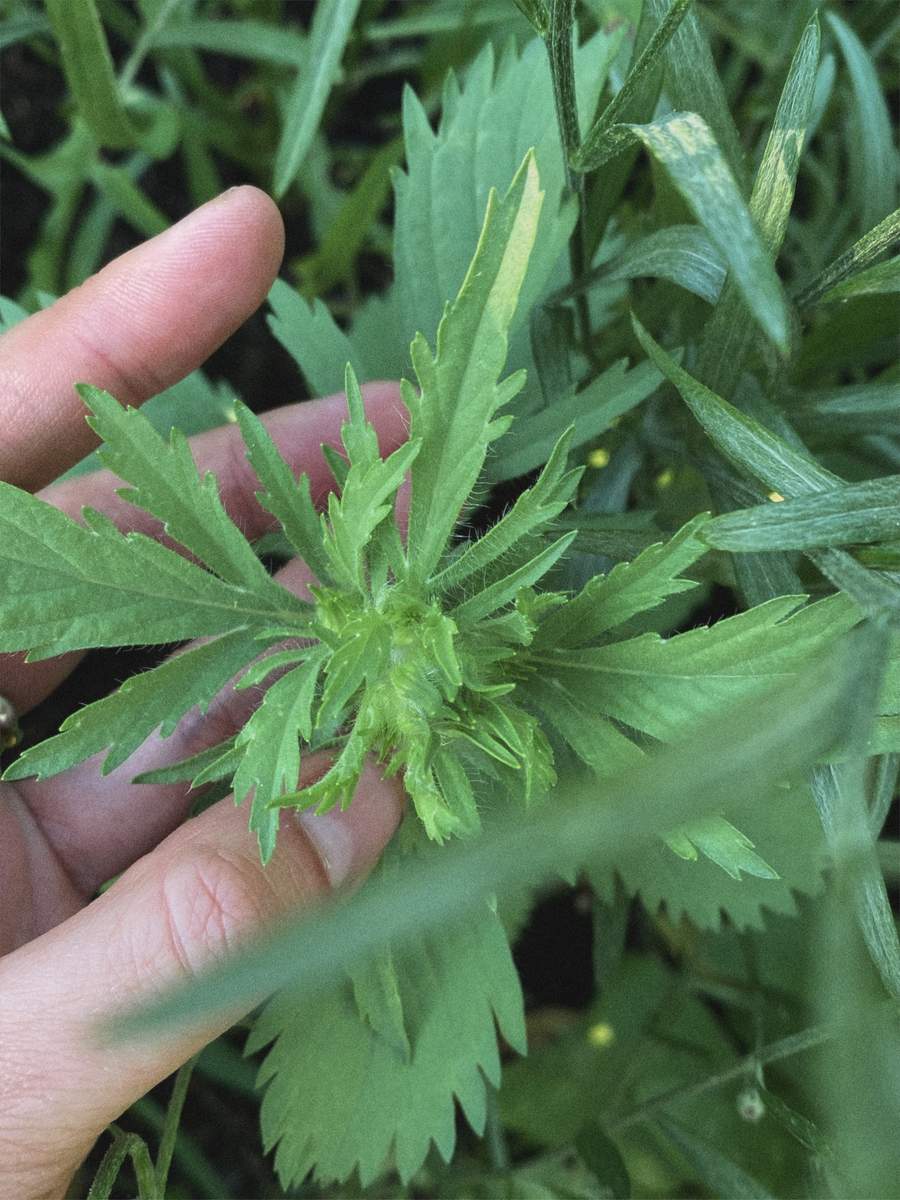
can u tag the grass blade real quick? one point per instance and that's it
(720, 1175)
(881, 279)
(859, 256)
(593, 149)
(89, 72)
(242, 39)
(683, 144)
(859, 512)
(729, 336)
(331, 25)
(877, 175)
(692, 82)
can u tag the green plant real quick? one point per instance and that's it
(542, 659)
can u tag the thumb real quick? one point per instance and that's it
(181, 907)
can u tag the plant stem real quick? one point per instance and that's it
(796, 1043)
(495, 1136)
(562, 73)
(170, 1127)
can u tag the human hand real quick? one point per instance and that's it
(191, 890)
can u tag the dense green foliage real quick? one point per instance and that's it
(641, 633)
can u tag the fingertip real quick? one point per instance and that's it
(257, 215)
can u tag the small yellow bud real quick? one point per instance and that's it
(601, 1035)
(776, 497)
(598, 458)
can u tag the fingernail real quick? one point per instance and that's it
(331, 836)
(349, 841)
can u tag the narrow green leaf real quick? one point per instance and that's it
(769, 458)
(682, 253)
(882, 279)
(245, 38)
(742, 440)
(693, 82)
(331, 25)
(877, 181)
(718, 1173)
(89, 71)
(189, 768)
(859, 256)
(334, 260)
(128, 200)
(602, 1158)
(592, 150)
(454, 415)
(728, 336)
(683, 144)
(562, 72)
(852, 513)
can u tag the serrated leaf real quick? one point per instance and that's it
(167, 485)
(453, 418)
(311, 336)
(795, 722)
(785, 830)
(286, 498)
(376, 991)
(534, 508)
(504, 590)
(327, 1063)
(121, 722)
(722, 844)
(630, 588)
(70, 587)
(852, 513)
(663, 686)
(269, 747)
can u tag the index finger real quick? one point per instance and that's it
(138, 326)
